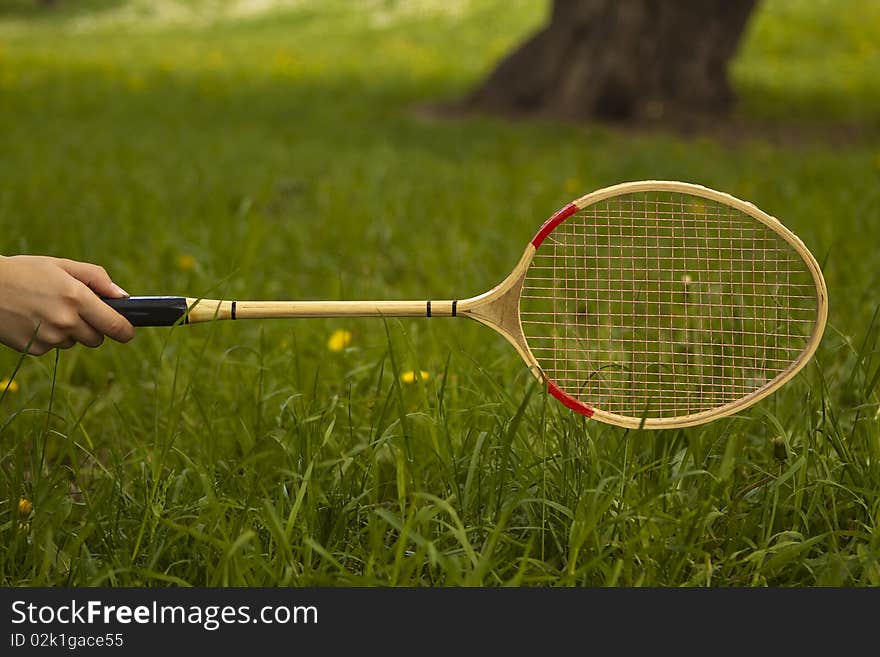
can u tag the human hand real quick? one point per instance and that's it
(60, 297)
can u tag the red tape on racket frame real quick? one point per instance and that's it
(553, 222)
(568, 400)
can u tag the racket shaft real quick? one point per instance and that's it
(164, 311)
(206, 309)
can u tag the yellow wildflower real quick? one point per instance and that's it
(25, 506)
(339, 340)
(185, 261)
(8, 386)
(413, 376)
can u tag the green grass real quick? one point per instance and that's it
(280, 157)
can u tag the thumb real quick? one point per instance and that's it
(94, 276)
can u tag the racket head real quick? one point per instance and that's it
(662, 304)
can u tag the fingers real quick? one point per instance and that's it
(85, 334)
(99, 319)
(43, 348)
(40, 347)
(81, 317)
(64, 334)
(94, 276)
(102, 320)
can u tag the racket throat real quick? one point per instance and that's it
(499, 310)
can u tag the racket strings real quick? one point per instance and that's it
(664, 304)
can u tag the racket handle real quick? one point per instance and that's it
(149, 311)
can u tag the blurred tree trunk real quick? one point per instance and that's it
(621, 59)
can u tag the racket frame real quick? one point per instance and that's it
(498, 308)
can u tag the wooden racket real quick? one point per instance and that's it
(649, 304)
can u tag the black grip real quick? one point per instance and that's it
(149, 311)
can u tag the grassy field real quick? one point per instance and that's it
(278, 155)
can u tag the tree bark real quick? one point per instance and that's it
(621, 59)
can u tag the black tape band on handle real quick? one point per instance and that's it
(149, 311)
